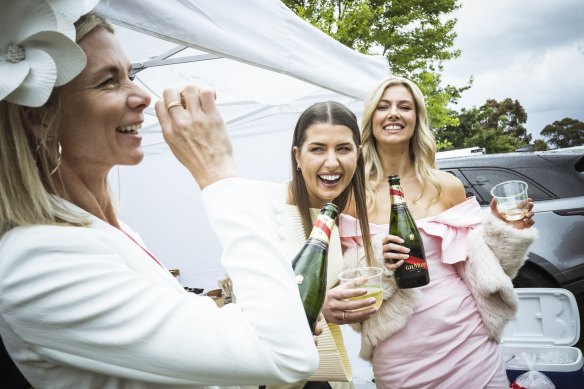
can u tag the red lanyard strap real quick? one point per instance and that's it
(146, 251)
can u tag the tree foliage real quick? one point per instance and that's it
(416, 36)
(564, 133)
(496, 126)
(540, 145)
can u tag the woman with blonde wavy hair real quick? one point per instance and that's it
(444, 334)
(421, 148)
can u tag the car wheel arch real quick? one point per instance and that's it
(531, 275)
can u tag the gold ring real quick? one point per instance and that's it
(174, 104)
(344, 316)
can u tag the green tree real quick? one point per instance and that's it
(564, 133)
(496, 126)
(416, 36)
(494, 140)
(508, 115)
(455, 136)
(540, 145)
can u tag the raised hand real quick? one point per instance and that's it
(196, 133)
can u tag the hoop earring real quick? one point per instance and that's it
(297, 168)
(59, 158)
(59, 153)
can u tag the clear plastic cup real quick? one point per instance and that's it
(511, 197)
(364, 277)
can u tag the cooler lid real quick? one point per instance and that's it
(546, 316)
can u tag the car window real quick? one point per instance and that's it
(482, 180)
(468, 189)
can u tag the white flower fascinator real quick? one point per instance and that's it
(38, 49)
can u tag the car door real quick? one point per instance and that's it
(559, 249)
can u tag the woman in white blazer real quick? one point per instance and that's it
(83, 302)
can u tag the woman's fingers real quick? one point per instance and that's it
(340, 309)
(357, 316)
(392, 266)
(394, 253)
(207, 100)
(525, 222)
(196, 133)
(392, 238)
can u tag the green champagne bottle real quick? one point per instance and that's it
(310, 264)
(414, 271)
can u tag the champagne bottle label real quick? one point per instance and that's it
(397, 196)
(319, 236)
(324, 226)
(413, 263)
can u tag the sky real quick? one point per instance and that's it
(528, 50)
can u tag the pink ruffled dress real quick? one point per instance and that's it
(444, 344)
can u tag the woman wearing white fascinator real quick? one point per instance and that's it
(83, 302)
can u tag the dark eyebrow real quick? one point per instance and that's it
(324, 144)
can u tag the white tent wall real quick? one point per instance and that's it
(273, 66)
(158, 198)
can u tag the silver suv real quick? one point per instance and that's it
(556, 184)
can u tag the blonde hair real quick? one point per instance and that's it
(422, 147)
(30, 154)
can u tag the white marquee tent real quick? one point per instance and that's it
(266, 64)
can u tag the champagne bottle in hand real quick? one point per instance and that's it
(414, 271)
(310, 264)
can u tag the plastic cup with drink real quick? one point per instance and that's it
(511, 197)
(364, 277)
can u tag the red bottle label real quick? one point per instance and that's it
(396, 195)
(396, 192)
(414, 263)
(319, 223)
(322, 228)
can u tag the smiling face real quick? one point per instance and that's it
(102, 109)
(327, 159)
(394, 119)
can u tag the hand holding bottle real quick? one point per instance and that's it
(317, 330)
(394, 253)
(401, 223)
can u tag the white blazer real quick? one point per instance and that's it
(88, 308)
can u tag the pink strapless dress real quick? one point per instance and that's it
(444, 344)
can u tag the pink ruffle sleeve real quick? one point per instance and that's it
(452, 225)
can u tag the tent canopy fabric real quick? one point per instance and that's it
(266, 64)
(263, 33)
